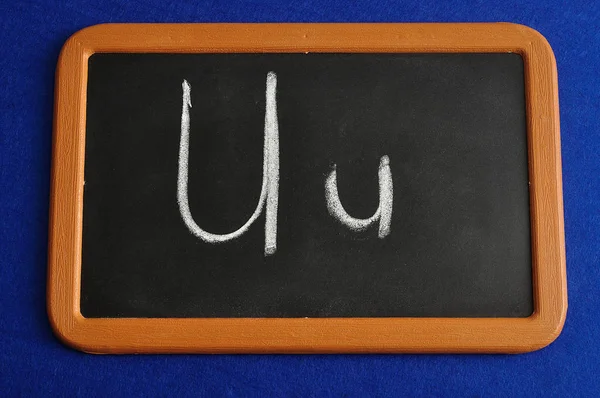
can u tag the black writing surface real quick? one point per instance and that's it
(451, 126)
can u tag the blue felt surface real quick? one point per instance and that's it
(33, 362)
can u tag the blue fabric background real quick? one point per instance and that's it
(33, 362)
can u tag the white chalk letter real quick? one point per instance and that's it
(383, 214)
(269, 194)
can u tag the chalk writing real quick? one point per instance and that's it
(383, 214)
(269, 194)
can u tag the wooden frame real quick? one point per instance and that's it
(293, 335)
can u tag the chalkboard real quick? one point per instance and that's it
(306, 188)
(437, 142)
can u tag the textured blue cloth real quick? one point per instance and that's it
(34, 363)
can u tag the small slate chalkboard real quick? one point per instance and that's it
(313, 182)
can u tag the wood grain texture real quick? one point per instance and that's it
(307, 335)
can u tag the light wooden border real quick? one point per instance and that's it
(294, 335)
